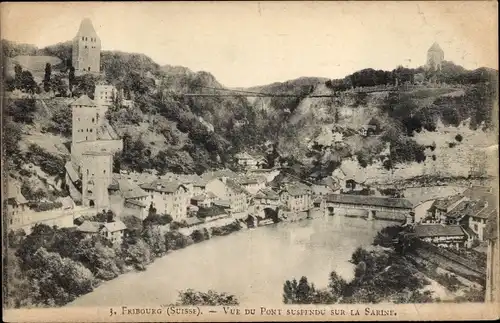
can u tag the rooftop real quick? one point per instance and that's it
(115, 226)
(435, 48)
(127, 188)
(235, 187)
(267, 193)
(85, 101)
(466, 208)
(89, 227)
(370, 201)
(438, 230)
(296, 189)
(444, 203)
(135, 202)
(163, 186)
(86, 28)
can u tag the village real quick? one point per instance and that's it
(253, 196)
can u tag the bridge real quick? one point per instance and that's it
(397, 208)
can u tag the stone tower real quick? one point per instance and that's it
(87, 119)
(86, 49)
(97, 168)
(435, 57)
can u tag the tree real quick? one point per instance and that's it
(71, 78)
(28, 84)
(58, 280)
(211, 298)
(155, 239)
(46, 78)
(58, 84)
(337, 285)
(61, 122)
(98, 256)
(11, 141)
(18, 70)
(138, 254)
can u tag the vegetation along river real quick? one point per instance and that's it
(251, 264)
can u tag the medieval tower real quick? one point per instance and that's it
(86, 56)
(435, 57)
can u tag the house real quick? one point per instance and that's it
(16, 203)
(269, 174)
(296, 197)
(104, 94)
(89, 228)
(114, 231)
(237, 197)
(209, 183)
(350, 176)
(367, 130)
(128, 198)
(250, 162)
(204, 200)
(169, 197)
(442, 235)
(489, 202)
(252, 183)
(325, 186)
(442, 206)
(265, 198)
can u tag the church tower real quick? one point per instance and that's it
(86, 55)
(435, 57)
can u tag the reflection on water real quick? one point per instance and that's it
(252, 264)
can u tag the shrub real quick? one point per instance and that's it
(211, 298)
(458, 138)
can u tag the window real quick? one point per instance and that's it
(85, 46)
(104, 171)
(475, 227)
(93, 120)
(83, 38)
(90, 130)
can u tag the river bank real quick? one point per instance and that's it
(251, 264)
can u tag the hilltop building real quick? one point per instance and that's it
(105, 94)
(435, 57)
(16, 203)
(86, 55)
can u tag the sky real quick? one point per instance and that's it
(246, 44)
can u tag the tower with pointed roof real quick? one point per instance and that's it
(86, 56)
(435, 57)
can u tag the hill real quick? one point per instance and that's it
(171, 132)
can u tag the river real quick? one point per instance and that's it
(251, 264)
